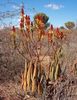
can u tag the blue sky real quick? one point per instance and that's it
(59, 11)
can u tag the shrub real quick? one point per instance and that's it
(70, 25)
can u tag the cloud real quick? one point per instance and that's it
(16, 7)
(54, 6)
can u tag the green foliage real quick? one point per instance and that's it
(47, 25)
(70, 25)
(44, 17)
(62, 27)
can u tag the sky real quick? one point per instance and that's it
(59, 11)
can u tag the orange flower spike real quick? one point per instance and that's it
(13, 29)
(39, 18)
(58, 32)
(22, 11)
(51, 27)
(21, 25)
(32, 24)
(61, 35)
(14, 36)
(28, 23)
(26, 17)
(22, 20)
(27, 20)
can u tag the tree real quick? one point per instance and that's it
(70, 25)
(44, 18)
(62, 27)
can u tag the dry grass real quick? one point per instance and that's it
(11, 64)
